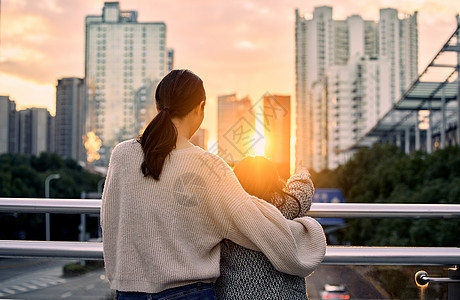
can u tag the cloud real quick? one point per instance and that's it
(43, 40)
(245, 45)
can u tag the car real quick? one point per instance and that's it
(335, 292)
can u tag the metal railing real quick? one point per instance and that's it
(336, 255)
(318, 210)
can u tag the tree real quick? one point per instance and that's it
(385, 174)
(23, 176)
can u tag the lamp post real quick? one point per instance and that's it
(47, 195)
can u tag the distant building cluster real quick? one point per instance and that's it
(124, 61)
(29, 131)
(349, 73)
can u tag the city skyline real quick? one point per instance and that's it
(248, 50)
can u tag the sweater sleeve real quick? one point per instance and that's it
(301, 186)
(294, 247)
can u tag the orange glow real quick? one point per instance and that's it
(92, 144)
(259, 147)
(292, 162)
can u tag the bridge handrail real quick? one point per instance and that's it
(318, 210)
(335, 255)
(344, 255)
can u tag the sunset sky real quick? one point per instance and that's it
(240, 46)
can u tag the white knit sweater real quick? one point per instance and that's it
(167, 233)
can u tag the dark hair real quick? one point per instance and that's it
(177, 94)
(259, 177)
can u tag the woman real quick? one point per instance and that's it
(247, 274)
(167, 205)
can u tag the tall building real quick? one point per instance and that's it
(8, 125)
(277, 132)
(170, 59)
(354, 94)
(70, 118)
(124, 61)
(348, 74)
(200, 139)
(314, 54)
(35, 131)
(236, 131)
(398, 43)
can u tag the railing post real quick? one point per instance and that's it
(417, 132)
(454, 288)
(407, 140)
(47, 195)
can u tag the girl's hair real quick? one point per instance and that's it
(259, 177)
(177, 94)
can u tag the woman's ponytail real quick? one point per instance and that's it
(157, 141)
(177, 94)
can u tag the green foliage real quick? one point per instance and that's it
(23, 176)
(385, 174)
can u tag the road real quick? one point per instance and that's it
(358, 286)
(42, 279)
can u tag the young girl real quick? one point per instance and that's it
(247, 274)
(167, 205)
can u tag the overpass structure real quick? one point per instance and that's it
(427, 116)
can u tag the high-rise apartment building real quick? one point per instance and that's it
(124, 61)
(398, 43)
(236, 131)
(35, 131)
(277, 132)
(170, 59)
(8, 125)
(4, 123)
(70, 118)
(348, 74)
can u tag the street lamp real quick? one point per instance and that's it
(47, 195)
